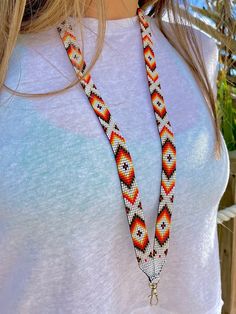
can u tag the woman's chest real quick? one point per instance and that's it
(55, 156)
(48, 167)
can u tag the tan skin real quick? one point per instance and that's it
(115, 9)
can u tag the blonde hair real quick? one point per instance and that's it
(31, 16)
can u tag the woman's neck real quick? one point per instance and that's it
(114, 9)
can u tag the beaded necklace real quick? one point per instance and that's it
(149, 261)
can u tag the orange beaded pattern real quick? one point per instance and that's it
(149, 261)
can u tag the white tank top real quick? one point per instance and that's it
(65, 245)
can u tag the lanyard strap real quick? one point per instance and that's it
(150, 261)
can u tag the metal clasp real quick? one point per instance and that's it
(153, 294)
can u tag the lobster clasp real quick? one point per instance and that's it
(153, 294)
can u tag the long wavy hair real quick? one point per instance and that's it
(31, 16)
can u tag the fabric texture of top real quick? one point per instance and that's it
(65, 241)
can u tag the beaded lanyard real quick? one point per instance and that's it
(150, 261)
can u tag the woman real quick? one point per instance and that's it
(66, 246)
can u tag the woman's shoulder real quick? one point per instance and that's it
(207, 45)
(205, 41)
(38, 63)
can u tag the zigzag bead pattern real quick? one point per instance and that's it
(150, 261)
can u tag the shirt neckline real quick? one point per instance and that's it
(112, 26)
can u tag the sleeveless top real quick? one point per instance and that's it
(65, 243)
